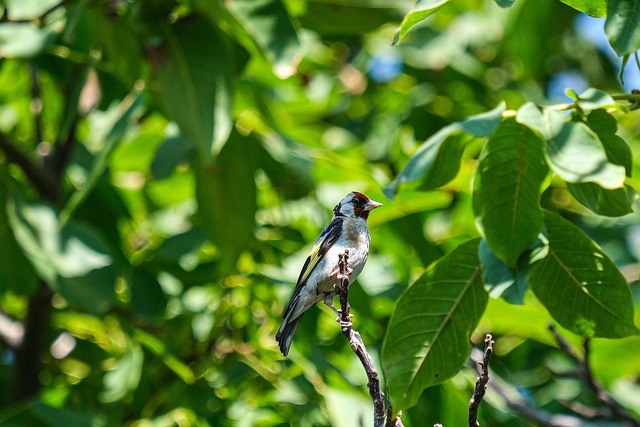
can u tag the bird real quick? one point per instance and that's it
(320, 277)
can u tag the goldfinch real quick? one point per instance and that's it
(318, 280)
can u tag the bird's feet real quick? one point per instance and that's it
(328, 301)
(341, 276)
(345, 324)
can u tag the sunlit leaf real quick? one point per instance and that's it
(428, 336)
(580, 286)
(194, 83)
(507, 186)
(26, 10)
(124, 377)
(621, 26)
(573, 151)
(23, 40)
(595, 8)
(422, 10)
(437, 161)
(592, 99)
(72, 259)
(269, 23)
(128, 110)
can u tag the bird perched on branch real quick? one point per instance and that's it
(319, 279)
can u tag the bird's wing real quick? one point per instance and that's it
(327, 238)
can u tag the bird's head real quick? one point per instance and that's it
(355, 205)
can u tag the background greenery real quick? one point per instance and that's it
(167, 164)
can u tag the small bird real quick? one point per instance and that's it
(319, 279)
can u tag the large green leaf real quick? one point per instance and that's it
(617, 149)
(573, 150)
(428, 337)
(16, 274)
(621, 26)
(269, 24)
(422, 10)
(124, 377)
(605, 202)
(73, 259)
(596, 8)
(437, 161)
(580, 286)
(194, 83)
(226, 194)
(507, 185)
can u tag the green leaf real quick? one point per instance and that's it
(147, 297)
(124, 377)
(501, 280)
(226, 194)
(128, 110)
(507, 187)
(16, 274)
(621, 26)
(572, 150)
(428, 336)
(595, 8)
(437, 161)
(580, 286)
(73, 259)
(170, 154)
(23, 40)
(605, 202)
(592, 99)
(269, 24)
(422, 10)
(617, 149)
(505, 3)
(22, 10)
(194, 84)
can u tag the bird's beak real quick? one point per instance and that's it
(371, 205)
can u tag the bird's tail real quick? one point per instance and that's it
(285, 334)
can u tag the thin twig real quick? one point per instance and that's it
(358, 347)
(586, 373)
(481, 382)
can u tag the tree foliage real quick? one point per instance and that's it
(165, 166)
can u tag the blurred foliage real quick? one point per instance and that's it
(165, 166)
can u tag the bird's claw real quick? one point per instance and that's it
(341, 276)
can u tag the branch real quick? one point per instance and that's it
(46, 187)
(586, 373)
(358, 347)
(481, 382)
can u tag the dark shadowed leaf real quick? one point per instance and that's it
(428, 337)
(621, 26)
(505, 3)
(147, 297)
(605, 202)
(580, 286)
(507, 186)
(618, 150)
(226, 194)
(171, 153)
(16, 274)
(501, 280)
